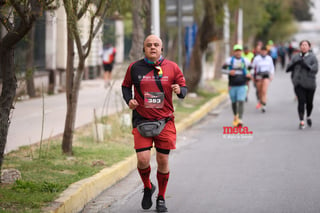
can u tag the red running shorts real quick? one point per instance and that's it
(166, 139)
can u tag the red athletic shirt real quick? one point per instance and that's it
(141, 74)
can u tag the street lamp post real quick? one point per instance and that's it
(155, 17)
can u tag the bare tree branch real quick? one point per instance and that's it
(79, 45)
(84, 9)
(101, 20)
(50, 6)
(76, 5)
(93, 17)
(49, 2)
(20, 10)
(6, 23)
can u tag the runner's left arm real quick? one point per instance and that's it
(183, 92)
(180, 80)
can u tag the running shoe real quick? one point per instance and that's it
(263, 109)
(146, 200)
(240, 123)
(309, 122)
(258, 106)
(161, 205)
(235, 122)
(301, 125)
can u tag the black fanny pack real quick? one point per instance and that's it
(152, 128)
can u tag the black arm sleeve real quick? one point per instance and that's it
(183, 92)
(127, 94)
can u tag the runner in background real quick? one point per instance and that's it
(256, 51)
(263, 71)
(237, 69)
(273, 52)
(257, 48)
(304, 68)
(247, 54)
(282, 52)
(108, 56)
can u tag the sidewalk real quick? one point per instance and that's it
(26, 120)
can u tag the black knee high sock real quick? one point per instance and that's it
(234, 108)
(241, 108)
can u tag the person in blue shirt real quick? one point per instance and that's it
(237, 69)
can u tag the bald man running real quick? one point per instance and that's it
(155, 79)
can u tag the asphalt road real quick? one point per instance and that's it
(274, 170)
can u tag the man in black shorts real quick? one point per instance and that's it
(108, 55)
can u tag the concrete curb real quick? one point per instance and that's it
(78, 194)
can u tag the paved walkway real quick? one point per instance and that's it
(30, 115)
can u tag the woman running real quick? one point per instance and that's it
(304, 67)
(263, 70)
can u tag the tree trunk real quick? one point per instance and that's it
(9, 86)
(147, 11)
(172, 48)
(72, 104)
(31, 11)
(219, 52)
(193, 73)
(71, 112)
(73, 81)
(137, 31)
(72, 93)
(30, 62)
(209, 30)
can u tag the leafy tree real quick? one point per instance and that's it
(17, 17)
(254, 16)
(76, 10)
(278, 25)
(262, 19)
(301, 9)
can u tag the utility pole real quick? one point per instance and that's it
(240, 27)
(155, 17)
(179, 34)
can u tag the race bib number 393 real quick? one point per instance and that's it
(153, 99)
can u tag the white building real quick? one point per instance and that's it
(50, 56)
